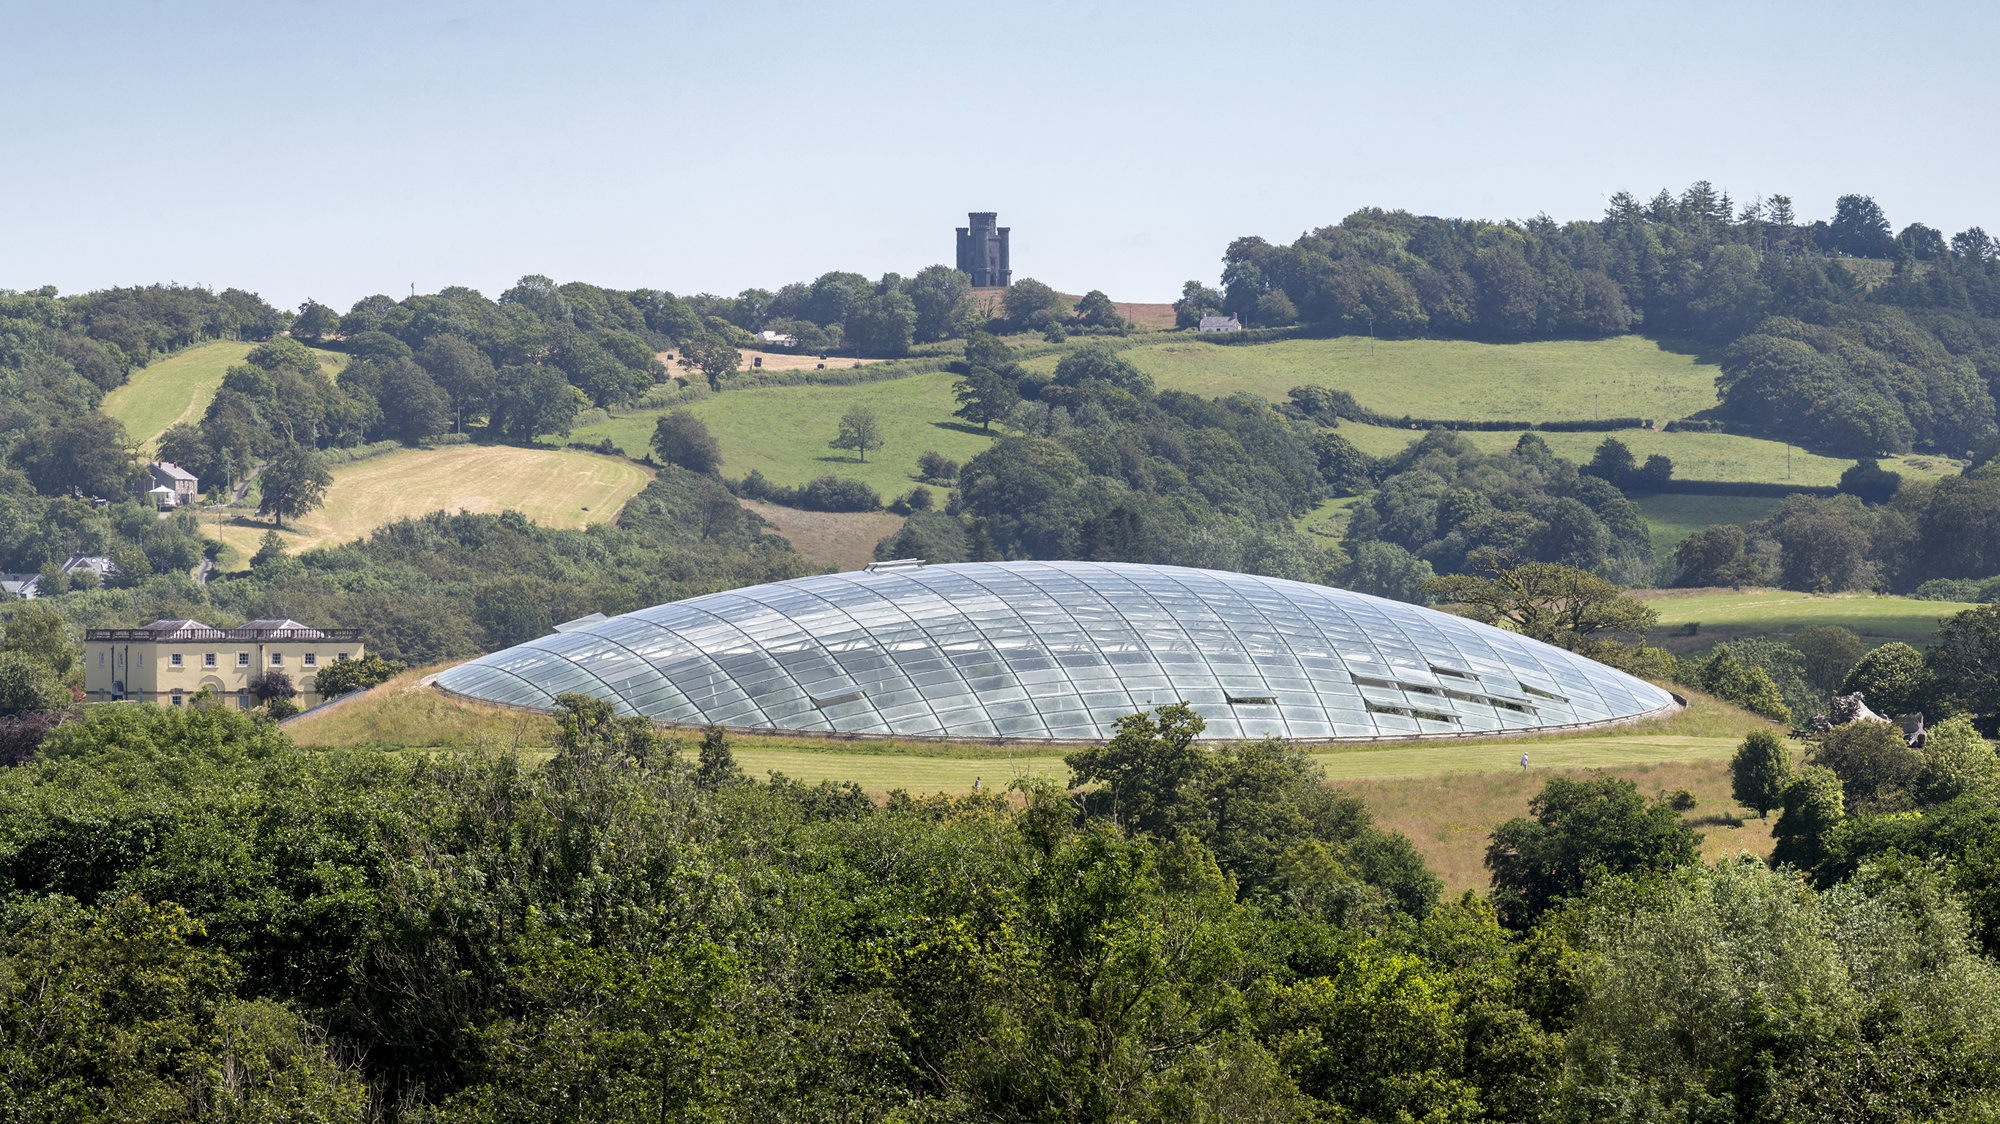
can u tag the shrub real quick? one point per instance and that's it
(935, 468)
(834, 493)
(344, 675)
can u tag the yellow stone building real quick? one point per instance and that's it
(168, 662)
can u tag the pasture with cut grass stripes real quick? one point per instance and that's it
(553, 487)
(1623, 376)
(783, 431)
(180, 387)
(1727, 614)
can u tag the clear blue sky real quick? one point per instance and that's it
(337, 148)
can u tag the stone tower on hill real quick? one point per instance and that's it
(982, 250)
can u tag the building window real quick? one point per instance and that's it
(338, 656)
(242, 659)
(243, 700)
(177, 698)
(208, 659)
(312, 659)
(100, 659)
(176, 657)
(277, 659)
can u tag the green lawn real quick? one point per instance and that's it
(1748, 612)
(1624, 376)
(1696, 456)
(1673, 517)
(783, 431)
(179, 388)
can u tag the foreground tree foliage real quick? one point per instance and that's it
(200, 921)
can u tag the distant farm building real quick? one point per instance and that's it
(22, 586)
(172, 485)
(776, 339)
(1220, 324)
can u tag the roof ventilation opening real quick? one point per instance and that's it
(1541, 694)
(1252, 700)
(1436, 670)
(824, 701)
(894, 564)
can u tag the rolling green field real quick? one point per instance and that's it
(179, 388)
(1672, 518)
(1696, 456)
(1723, 614)
(783, 431)
(1624, 376)
(553, 487)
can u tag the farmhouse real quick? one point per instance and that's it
(1220, 324)
(172, 485)
(776, 339)
(22, 586)
(168, 662)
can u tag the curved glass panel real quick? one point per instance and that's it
(1060, 651)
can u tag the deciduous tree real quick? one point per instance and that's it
(294, 483)
(859, 431)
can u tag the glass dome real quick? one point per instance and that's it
(1060, 651)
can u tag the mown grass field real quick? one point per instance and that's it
(784, 431)
(1725, 614)
(179, 388)
(1696, 456)
(1624, 376)
(553, 487)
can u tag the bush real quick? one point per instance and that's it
(342, 676)
(281, 708)
(834, 493)
(1759, 772)
(274, 685)
(936, 468)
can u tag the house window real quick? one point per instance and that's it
(208, 659)
(242, 659)
(338, 656)
(177, 698)
(176, 657)
(277, 659)
(312, 659)
(243, 700)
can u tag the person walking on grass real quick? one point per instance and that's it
(1524, 762)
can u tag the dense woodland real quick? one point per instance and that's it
(199, 920)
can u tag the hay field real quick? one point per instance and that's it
(180, 387)
(553, 487)
(841, 540)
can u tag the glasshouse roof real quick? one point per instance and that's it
(1060, 651)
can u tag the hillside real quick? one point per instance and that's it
(554, 487)
(1622, 376)
(784, 431)
(179, 388)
